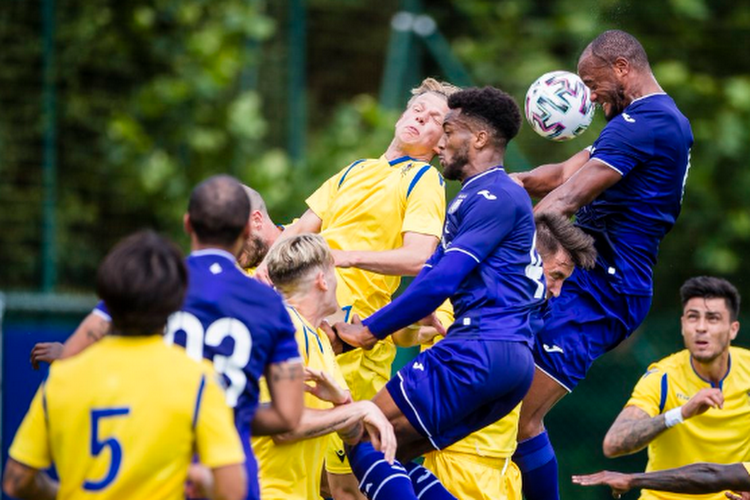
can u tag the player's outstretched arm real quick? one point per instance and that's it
(21, 481)
(691, 479)
(540, 181)
(91, 330)
(581, 188)
(634, 429)
(407, 260)
(283, 413)
(308, 223)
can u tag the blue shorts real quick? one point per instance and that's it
(588, 319)
(462, 384)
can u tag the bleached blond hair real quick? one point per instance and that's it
(295, 261)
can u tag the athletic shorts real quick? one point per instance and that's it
(336, 460)
(588, 319)
(462, 384)
(469, 476)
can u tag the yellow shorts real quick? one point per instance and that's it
(471, 477)
(336, 459)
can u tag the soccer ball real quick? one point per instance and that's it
(558, 106)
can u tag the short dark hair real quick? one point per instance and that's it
(219, 209)
(492, 106)
(142, 281)
(555, 231)
(710, 287)
(615, 43)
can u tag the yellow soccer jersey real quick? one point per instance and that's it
(292, 471)
(123, 419)
(368, 206)
(719, 435)
(494, 441)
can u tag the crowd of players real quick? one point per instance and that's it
(306, 368)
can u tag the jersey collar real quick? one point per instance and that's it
(720, 385)
(482, 174)
(401, 160)
(647, 96)
(216, 252)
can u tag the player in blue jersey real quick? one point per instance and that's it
(626, 191)
(229, 318)
(488, 266)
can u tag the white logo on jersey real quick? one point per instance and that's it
(487, 194)
(426, 475)
(454, 206)
(367, 487)
(627, 118)
(552, 348)
(215, 268)
(418, 366)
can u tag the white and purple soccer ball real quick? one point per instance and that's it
(558, 106)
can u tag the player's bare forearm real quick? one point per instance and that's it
(406, 260)
(229, 482)
(695, 479)
(21, 481)
(540, 181)
(315, 423)
(632, 431)
(92, 329)
(283, 413)
(581, 188)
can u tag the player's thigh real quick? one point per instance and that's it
(543, 394)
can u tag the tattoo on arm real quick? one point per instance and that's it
(286, 371)
(632, 431)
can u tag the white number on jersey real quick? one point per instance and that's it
(231, 366)
(535, 271)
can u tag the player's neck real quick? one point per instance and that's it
(713, 371)
(398, 150)
(643, 86)
(196, 246)
(309, 308)
(483, 162)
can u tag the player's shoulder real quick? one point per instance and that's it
(674, 364)
(740, 357)
(413, 173)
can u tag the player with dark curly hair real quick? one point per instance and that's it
(488, 266)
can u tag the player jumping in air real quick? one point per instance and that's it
(626, 191)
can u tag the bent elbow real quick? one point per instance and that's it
(610, 449)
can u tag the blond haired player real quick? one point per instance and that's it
(291, 463)
(383, 218)
(124, 418)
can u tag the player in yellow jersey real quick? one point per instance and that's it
(692, 406)
(479, 466)
(383, 218)
(291, 463)
(124, 418)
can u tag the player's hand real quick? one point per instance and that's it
(379, 430)
(355, 334)
(738, 495)
(620, 483)
(46, 352)
(515, 178)
(433, 321)
(341, 258)
(336, 344)
(325, 387)
(200, 483)
(702, 401)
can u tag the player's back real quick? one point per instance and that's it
(121, 419)
(235, 321)
(649, 145)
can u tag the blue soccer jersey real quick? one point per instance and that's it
(649, 145)
(238, 323)
(491, 221)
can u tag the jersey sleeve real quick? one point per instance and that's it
(217, 442)
(100, 309)
(650, 392)
(623, 145)
(485, 222)
(31, 444)
(425, 203)
(320, 201)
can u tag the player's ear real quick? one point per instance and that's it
(186, 224)
(321, 281)
(481, 139)
(621, 66)
(256, 220)
(734, 328)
